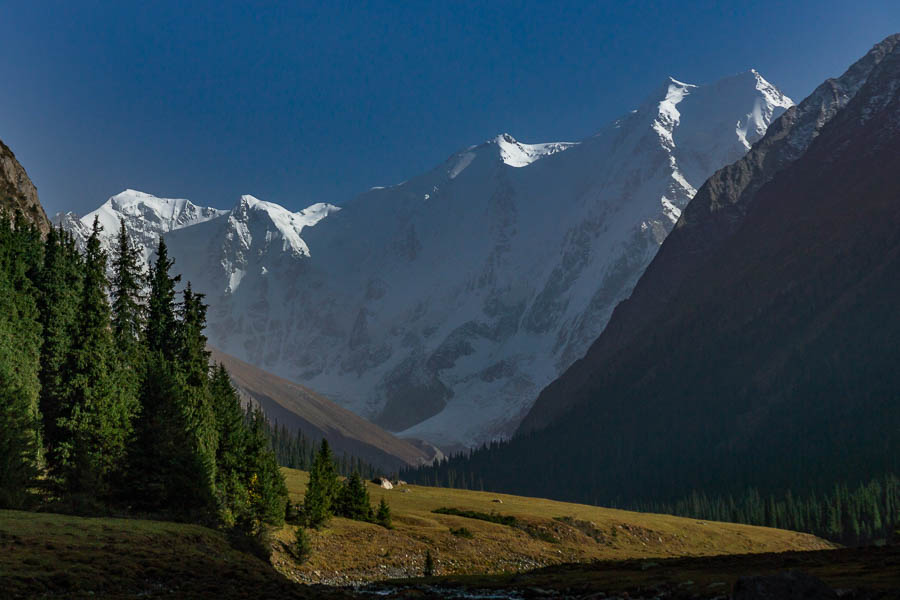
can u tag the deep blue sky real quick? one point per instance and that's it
(300, 102)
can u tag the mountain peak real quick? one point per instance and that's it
(278, 222)
(672, 81)
(516, 154)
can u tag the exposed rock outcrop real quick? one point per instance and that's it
(17, 192)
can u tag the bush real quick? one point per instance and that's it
(429, 564)
(461, 532)
(493, 517)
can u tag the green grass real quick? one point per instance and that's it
(54, 555)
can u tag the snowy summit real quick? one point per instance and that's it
(440, 307)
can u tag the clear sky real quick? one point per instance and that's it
(298, 102)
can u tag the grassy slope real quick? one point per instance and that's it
(348, 551)
(51, 555)
(297, 407)
(61, 556)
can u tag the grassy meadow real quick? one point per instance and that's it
(547, 532)
(52, 555)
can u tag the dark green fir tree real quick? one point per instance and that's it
(20, 340)
(98, 409)
(321, 489)
(352, 499)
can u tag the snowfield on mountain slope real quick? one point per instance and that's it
(440, 307)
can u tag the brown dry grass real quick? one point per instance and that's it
(349, 551)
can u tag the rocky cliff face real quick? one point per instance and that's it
(760, 349)
(17, 192)
(713, 216)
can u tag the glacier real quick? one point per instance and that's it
(440, 307)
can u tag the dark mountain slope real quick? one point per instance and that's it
(299, 408)
(773, 360)
(712, 217)
(17, 192)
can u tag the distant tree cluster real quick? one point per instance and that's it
(108, 403)
(853, 515)
(868, 513)
(328, 496)
(294, 450)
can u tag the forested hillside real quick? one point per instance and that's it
(771, 364)
(108, 404)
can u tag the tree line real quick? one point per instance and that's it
(294, 450)
(108, 402)
(865, 513)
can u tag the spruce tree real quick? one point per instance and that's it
(160, 330)
(321, 489)
(19, 383)
(231, 452)
(98, 410)
(352, 499)
(302, 545)
(127, 303)
(172, 463)
(265, 482)
(383, 515)
(59, 287)
(196, 404)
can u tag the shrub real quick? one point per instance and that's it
(429, 564)
(461, 532)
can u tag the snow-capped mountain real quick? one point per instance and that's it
(146, 218)
(440, 307)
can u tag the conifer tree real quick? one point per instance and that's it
(196, 404)
(161, 326)
(59, 287)
(172, 463)
(98, 410)
(320, 491)
(352, 499)
(383, 515)
(302, 545)
(231, 451)
(19, 383)
(265, 482)
(127, 307)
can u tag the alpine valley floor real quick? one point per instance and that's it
(546, 532)
(552, 549)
